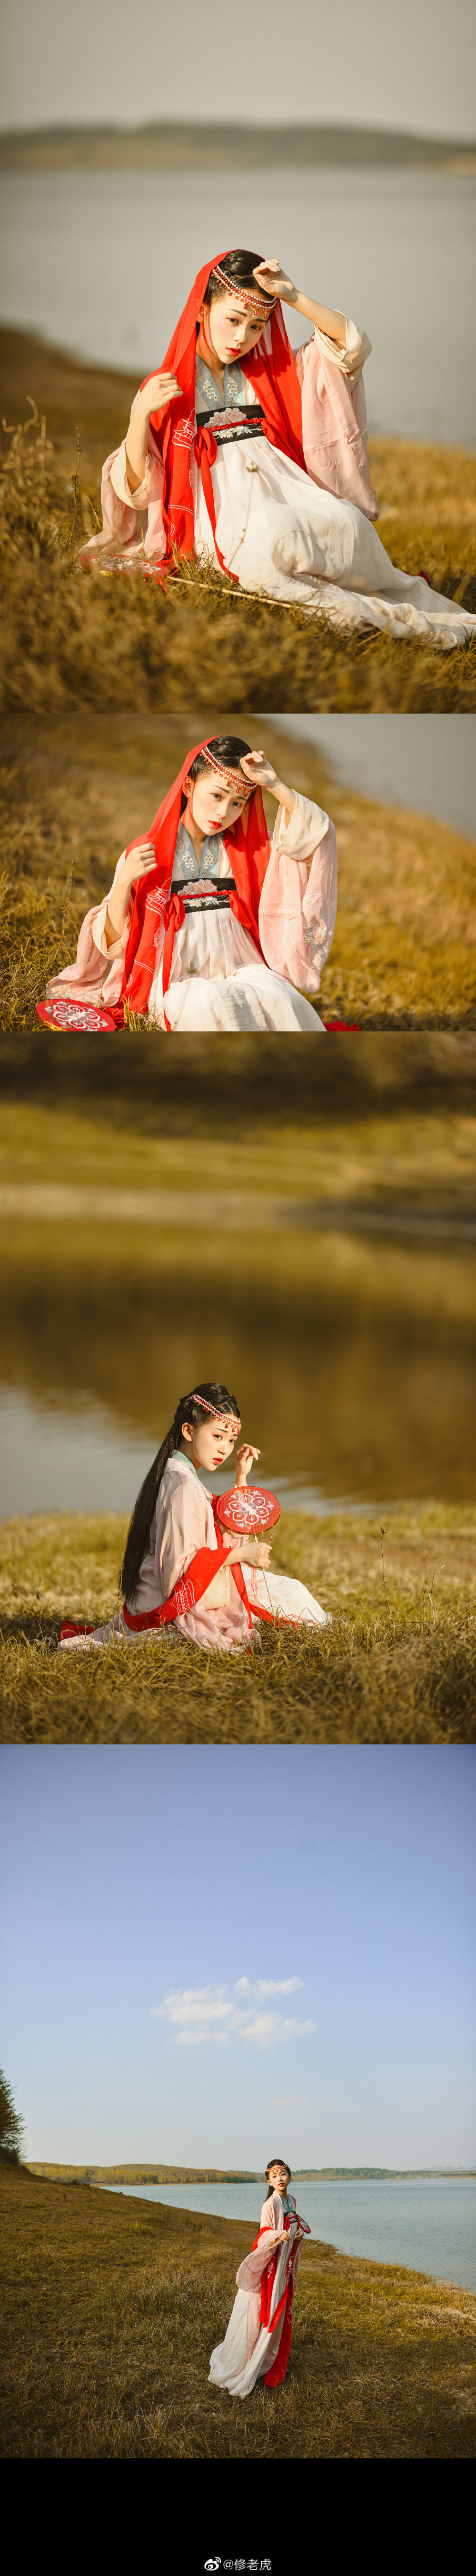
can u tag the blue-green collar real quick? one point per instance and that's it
(185, 1462)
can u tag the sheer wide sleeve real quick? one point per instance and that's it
(334, 416)
(185, 1527)
(126, 532)
(298, 902)
(97, 971)
(269, 2242)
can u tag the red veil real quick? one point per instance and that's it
(277, 388)
(248, 849)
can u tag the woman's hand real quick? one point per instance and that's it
(273, 278)
(140, 862)
(261, 774)
(254, 1551)
(154, 396)
(244, 1460)
(260, 771)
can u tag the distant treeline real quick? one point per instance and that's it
(194, 146)
(202, 2173)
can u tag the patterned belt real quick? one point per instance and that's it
(197, 900)
(232, 424)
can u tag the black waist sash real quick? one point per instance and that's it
(232, 423)
(197, 900)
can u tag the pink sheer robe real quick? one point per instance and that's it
(217, 978)
(182, 1524)
(249, 2348)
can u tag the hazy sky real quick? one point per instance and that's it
(219, 1954)
(396, 63)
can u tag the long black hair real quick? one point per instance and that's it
(276, 2160)
(187, 1410)
(239, 266)
(228, 749)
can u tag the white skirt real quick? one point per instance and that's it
(278, 1592)
(288, 1599)
(218, 981)
(287, 539)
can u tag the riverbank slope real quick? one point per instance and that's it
(112, 2309)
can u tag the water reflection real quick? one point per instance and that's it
(358, 1385)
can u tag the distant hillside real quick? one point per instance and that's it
(199, 2173)
(220, 147)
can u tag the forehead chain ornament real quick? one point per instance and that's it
(236, 776)
(231, 1421)
(244, 296)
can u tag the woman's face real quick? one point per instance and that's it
(212, 804)
(231, 329)
(279, 2177)
(208, 1443)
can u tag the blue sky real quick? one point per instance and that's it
(219, 1954)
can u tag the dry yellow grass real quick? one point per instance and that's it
(112, 2308)
(397, 1665)
(96, 640)
(74, 790)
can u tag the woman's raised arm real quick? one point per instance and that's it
(154, 396)
(140, 863)
(273, 278)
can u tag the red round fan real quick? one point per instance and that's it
(247, 1509)
(82, 1016)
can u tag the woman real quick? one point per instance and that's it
(258, 2339)
(181, 1572)
(207, 924)
(254, 455)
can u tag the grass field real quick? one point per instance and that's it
(398, 1664)
(74, 790)
(112, 2308)
(98, 641)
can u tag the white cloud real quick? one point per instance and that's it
(209, 2013)
(268, 1986)
(266, 2027)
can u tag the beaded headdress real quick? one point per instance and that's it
(231, 1421)
(236, 776)
(244, 295)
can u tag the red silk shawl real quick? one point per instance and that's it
(248, 849)
(276, 386)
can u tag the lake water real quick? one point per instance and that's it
(101, 263)
(375, 1372)
(426, 2226)
(80, 1458)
